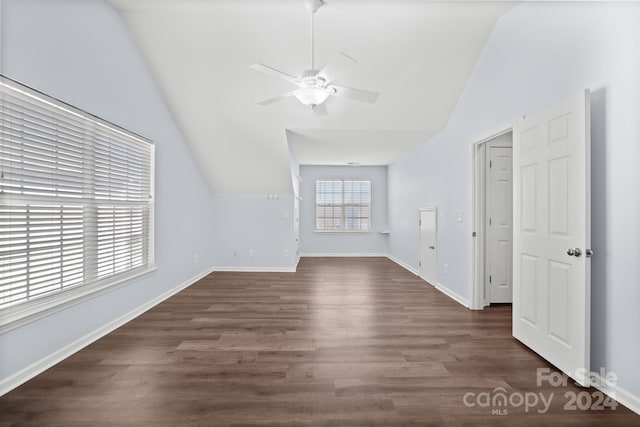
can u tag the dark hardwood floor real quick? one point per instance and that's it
(342, 342)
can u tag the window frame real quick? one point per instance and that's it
(343, 206)
(13, 316)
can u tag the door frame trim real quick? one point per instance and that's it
(478, 211)
(435, 274)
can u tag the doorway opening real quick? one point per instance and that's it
(493, 221)
(551, 233)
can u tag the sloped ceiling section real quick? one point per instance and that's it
(417, 54)
(366, 147)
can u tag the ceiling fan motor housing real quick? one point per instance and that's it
(310, 78)
(314, 87)
(314, 5)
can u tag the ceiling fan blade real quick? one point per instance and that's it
(357, 94)
(320, 110)
(275, 72)
(336, 67)
(275, 98)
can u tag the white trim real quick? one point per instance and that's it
(341, 231)
(20, 315)
(343, 255)
(86, 278)
(24, 375)
(476, 273)
(256, 269)
(363, 255)
(494, 133)
(344, 205)
(451, 294)
(624, 397)
(420, 248)
(1, 45)
(439, 286)
(152, 208)
(617, 393)
(403, 265)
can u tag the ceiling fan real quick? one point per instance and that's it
(315, 86)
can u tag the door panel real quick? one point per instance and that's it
(551, 309)
(528, 303)
(559, 197)
(558, 300)
(499, 227)
(428, 245)
(528, 198)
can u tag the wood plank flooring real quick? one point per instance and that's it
(342, 342)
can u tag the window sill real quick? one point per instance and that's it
(342, 231)
(14, 317)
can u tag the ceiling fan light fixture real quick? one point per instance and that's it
(315, 86)
(312, 95)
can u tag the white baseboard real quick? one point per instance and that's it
(256, 269)
(622, 396)
(343, 255)
(403, 265)
(451, 294)
(24, 375)
(619, 394)
(20, 315)
(439, 286)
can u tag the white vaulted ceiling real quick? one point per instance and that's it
(417, 54)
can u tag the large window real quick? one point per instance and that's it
(343, 205)
(75, 201)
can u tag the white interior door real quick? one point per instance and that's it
(551, 269)
(499, 225)
(428, 245)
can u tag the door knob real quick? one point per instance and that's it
(432, 247)
(576, 252)
(588, 253)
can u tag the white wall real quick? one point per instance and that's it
(371, 243)
(539, 53)
(253, 232)
(258, 232)
(80, 52)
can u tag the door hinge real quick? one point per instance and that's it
(473, 234)
(420, 221)
(489, 221)
(489, 278)
(419, 263)
(490, 164)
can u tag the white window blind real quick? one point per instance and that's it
(343, 205)
(75, 199)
